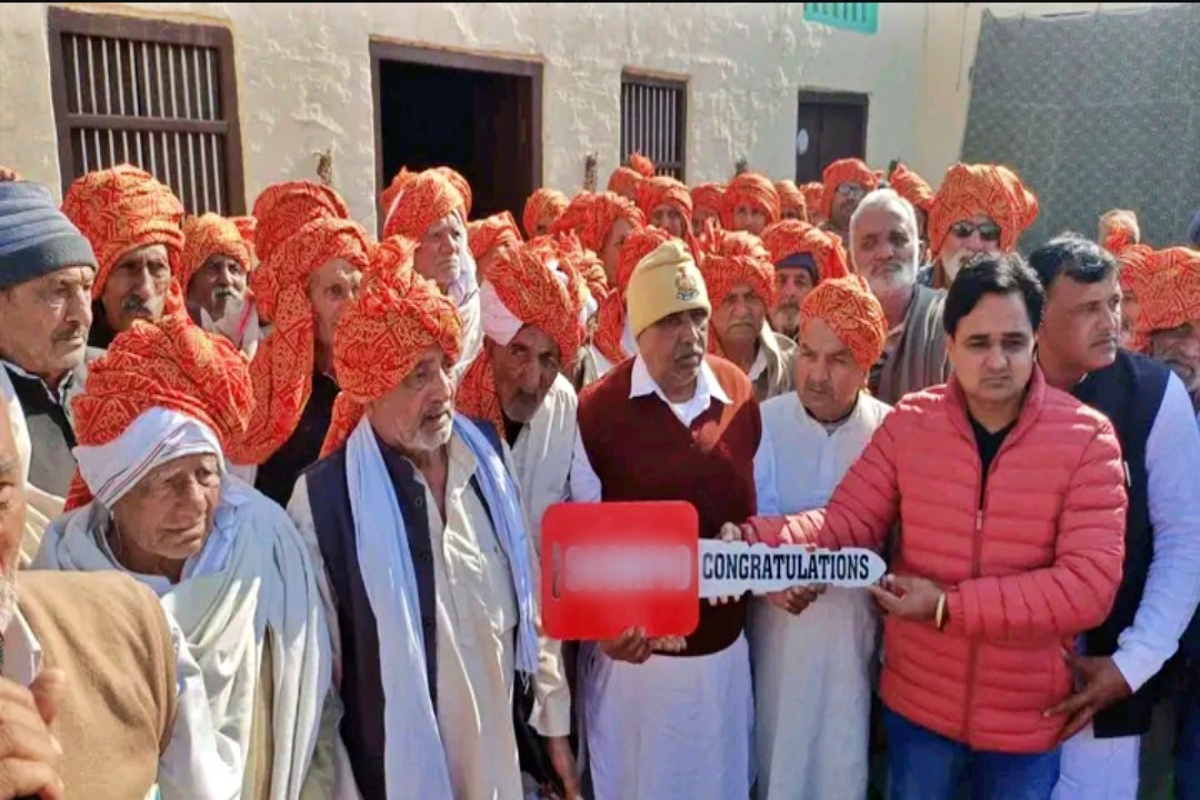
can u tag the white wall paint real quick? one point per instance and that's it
(304, 77)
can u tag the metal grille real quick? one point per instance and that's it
(654, 122)
(861, 17)
(161, 99)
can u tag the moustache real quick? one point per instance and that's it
(818, 388)
(133, 304)
(68, 334)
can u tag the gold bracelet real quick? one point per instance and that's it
(940, 614)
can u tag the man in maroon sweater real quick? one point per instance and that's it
(670, 718)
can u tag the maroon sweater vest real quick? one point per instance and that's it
(641, 451)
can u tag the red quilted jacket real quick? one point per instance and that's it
(1031, 559)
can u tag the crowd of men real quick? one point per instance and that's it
(272, 490)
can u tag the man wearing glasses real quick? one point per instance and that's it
(980, 208)
(846, 183)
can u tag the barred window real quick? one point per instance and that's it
(861, 17)
(157, 94)
(654, 121)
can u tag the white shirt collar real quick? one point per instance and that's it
(22, 652)
(708, 388)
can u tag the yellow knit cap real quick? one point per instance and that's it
(665, 282)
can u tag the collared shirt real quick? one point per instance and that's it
(185, 768)
(476, 608)
(585, 484)
(1172, 588)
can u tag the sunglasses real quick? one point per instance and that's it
(988, 231)
(851, 190)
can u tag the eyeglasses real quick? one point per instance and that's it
(851, 190)
(988, 231)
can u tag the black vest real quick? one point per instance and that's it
(363, 729)
(1129, 392)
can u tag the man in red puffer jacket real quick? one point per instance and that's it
(1010, 498)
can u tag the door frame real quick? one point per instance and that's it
(390, 50)
(833, 98)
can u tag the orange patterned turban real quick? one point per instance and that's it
(710, 196)
(791, 199)
(1170, 295)
(586, 264)
(1121, 230)
(610, 327)
(526, 286)
(846, 170)
(814, 194)
(912, 187)
(753, 190)
(544, 204)
(992, 191)
(389, 195)
(487, 234)
(206, 236)
(792, 236)
(381, 336)
(173, 365)
(122, 209)
(295, 237)
(656, 191)
(592, 217)
(426, 198)
(736, 257)
(641, 165)
(287, 207)
(848, 306)
(461, 185)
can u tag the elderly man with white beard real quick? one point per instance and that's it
(415, 516)
(226, 562)
(884, 249)
(812, 672)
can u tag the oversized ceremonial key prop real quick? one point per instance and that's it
(607, 567)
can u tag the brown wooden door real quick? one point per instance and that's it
(832, 126)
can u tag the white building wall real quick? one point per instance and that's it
(304, 78)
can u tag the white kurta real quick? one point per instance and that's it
(541, 455)
(812, 672)
(673, 727)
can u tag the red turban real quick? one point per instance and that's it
(586, 263)
(848, 306)
(426, 198)
(641, 165)
(753, 190)
(656, 191)
(792, 236)
(173, 365)
(1170, 295)
(543, 204)
(736, 257)
(296, 236)
(791, 199)
(846, 170)
(709, 196)
(384, 333)
(123, 209)
(984, 189)
(592, 217)
(1121, 230)
(209, 235)
(525, 287)
(461, 185)
(487, 234)
(814, 194)
(912, 187)
(389, 195)
(287, 207)
(610, 319)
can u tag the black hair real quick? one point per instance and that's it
(1072, 255)
(993, 273)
